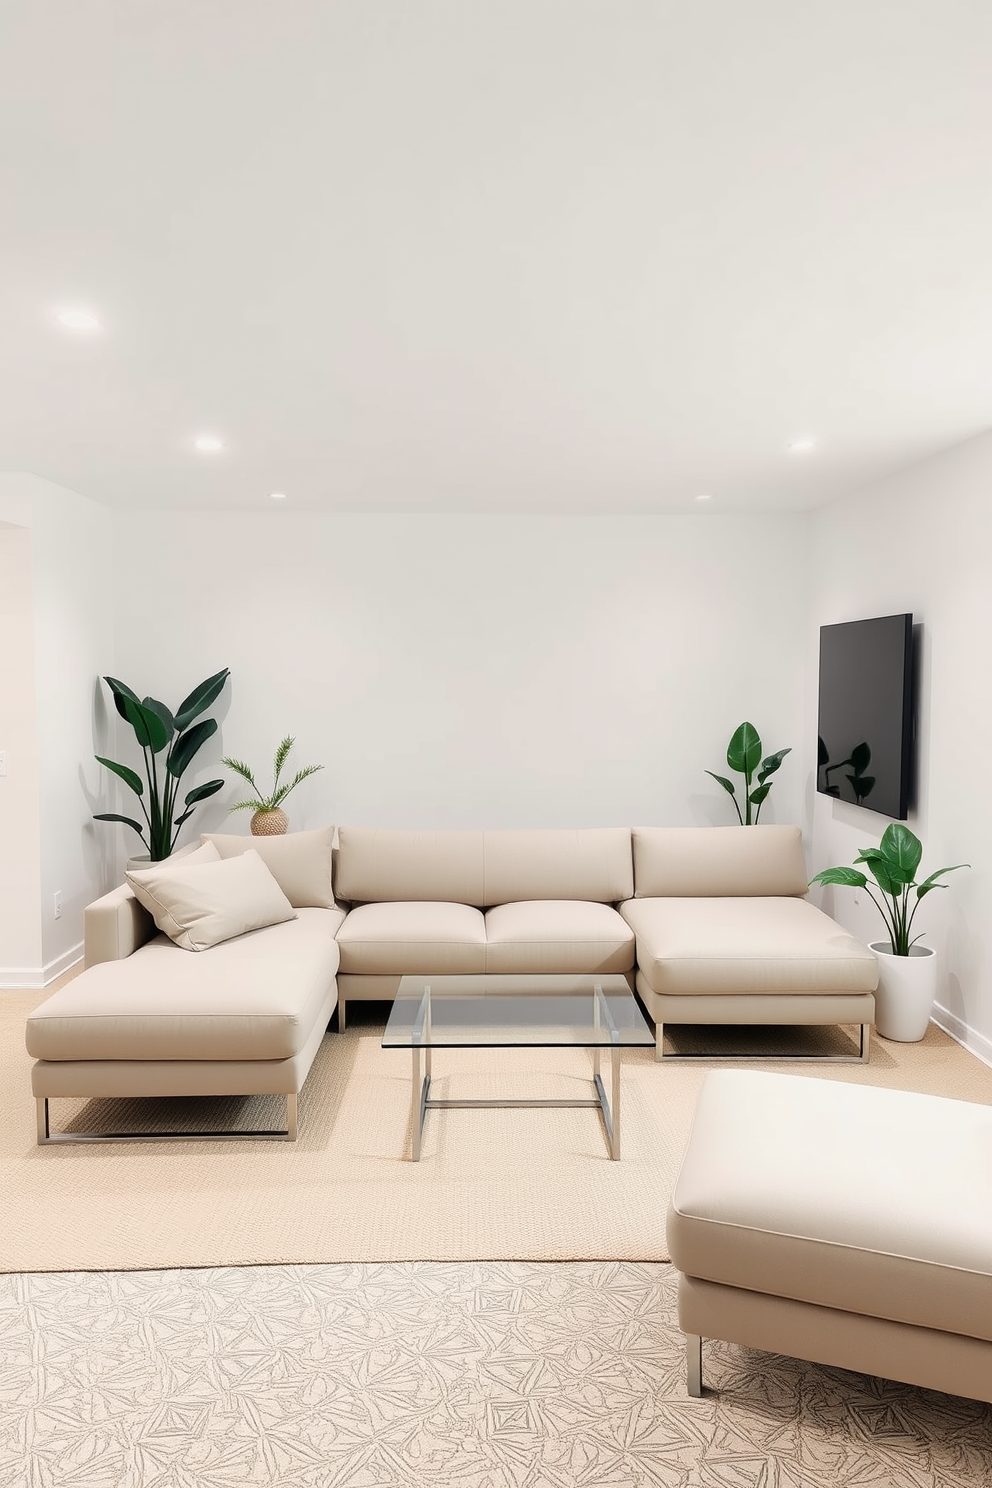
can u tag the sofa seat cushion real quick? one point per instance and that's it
(566, 935)
(691, 947)
(411, 938)
(868, 1200)
(255, 997)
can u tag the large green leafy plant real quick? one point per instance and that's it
(892, 864)
(168, 743)
(744, 756)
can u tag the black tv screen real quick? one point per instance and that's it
(865, 720)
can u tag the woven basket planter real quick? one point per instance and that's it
(269, 823)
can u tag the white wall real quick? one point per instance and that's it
(20, 924)
(923, 542)
(60, 641)
(73, 599)
(470, 671)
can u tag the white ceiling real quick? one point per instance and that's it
(493, 255)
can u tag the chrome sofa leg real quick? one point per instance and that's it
(694, 1364)
(659, 1041)
(46, 1136)
(865, 1038)
(341, 1015)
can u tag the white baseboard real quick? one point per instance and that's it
(35, 978)
(976, 1043)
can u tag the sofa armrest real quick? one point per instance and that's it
(114, 926)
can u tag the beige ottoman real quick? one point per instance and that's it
(839, 1223)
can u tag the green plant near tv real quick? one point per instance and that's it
(168, 742)
(744, 756)
(892, 865)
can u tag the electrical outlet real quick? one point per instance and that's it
(58, 904)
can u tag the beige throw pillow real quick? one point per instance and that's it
(300, 862)
(199, 904)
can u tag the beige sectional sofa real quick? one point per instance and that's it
(710, 924)
(725, 934)
(457, 903)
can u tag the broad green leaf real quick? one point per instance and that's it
(128, 821)
(149, 730)
(728, 785)
(187, 744)
(757, 796)
(902, 847)
(877, 859)
(129, 777)
(744, 750)
(156, 707)
(121, 691)
(860, 758)
(848, 876)
(771, 764)
(201, 792)
(201, 697)
(931, 882)
(885, 876)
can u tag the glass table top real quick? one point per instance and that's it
(503, 1011)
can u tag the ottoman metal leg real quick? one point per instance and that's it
(694, 1364)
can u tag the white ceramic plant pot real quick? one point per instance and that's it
(907, 989)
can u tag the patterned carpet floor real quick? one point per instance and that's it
(480, 1375)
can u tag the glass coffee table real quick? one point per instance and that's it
(596, 1012)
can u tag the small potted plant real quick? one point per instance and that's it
(744, 756)
(268, 819)
(907, 971)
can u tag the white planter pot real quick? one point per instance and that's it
(907, 989)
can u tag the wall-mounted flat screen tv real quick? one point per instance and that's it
(865, 720)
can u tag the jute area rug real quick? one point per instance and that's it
(492, 1184)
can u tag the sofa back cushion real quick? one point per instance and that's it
(592, 864)
(718, 862)
(300, 862)
(484, 868)
(379, 866)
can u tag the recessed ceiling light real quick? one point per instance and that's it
(209, 444)
(803, 446)
(278, 496)
(78, 320)
(705, 497)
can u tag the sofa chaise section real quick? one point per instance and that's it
(725, 934)
(147, 1017)
(463, 902)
